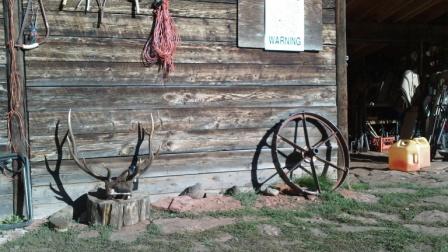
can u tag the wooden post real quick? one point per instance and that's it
(17, 139)
(341, 67)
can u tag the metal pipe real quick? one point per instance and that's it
(26, 174)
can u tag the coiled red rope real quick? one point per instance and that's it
(162, 42)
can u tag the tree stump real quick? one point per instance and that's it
(118, 212)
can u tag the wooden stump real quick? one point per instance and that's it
(118, 212)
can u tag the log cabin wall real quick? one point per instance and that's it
(6, 189)
(215, 107)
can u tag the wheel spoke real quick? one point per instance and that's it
(270, 177)
(282, 154)
(291, 143)
(295, 131)
(316, 180)
(330, 164)
(318, 144)
(305, 170)
(266, 180)
(305, 132)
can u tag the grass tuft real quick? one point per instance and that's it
(13, 219)
(247, 199)
(307, 181)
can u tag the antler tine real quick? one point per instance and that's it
(151, 155)
(74, 153)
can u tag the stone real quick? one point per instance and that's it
(234, 190)
(418, 247)
(318, 233)
(280, 201)
(269, 230)
(421, 229)
(129, 234)
(439, 200)
(10, 235)
(224, 237)
(195, 191)
(358, 229)
(434, 216)
(182, 204)
(385, 217)
(358, 196)
(391, 190)
(271, 192)
(62, 219)
(88, 234)
(360, 219)
(285, 189)
(186, 225)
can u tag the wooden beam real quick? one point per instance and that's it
(380, 33)
(341, 67)
(18, 135)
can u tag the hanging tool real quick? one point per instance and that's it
(31, 37)
(87, 7)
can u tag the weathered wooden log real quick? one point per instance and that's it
(118, 212)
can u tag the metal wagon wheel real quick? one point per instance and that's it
(310, 154)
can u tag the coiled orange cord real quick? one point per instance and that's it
(163, 40)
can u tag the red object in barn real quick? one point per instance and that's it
(382, 144)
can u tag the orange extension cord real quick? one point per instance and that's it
(163, 40)
(15, 85)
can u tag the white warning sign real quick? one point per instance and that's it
(284, 25)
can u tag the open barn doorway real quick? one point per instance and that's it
(397, 71)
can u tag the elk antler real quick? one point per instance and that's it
(142, 166)
(74, 152)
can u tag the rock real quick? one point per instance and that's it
(360, 219)
(183, 225)
(10, 235)
(182, 204)
(281, 201)
(318, 233)
(311, 197)
(88, 234)
(434, 216)
(224, 237)
(195, 191)
(358, 196)
(385, 217)
(129, 233)
(434, 231)
(285, 189)
(61, 220)
(269, 230)
(418, 247)
(392, 190)
(232, 191)
(358, 229)
(440, 200)
(271, 192)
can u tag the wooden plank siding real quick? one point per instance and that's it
(6, 185)
(215, 107)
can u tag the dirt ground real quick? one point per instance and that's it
(379, 210)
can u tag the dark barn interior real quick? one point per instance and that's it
(397, 54)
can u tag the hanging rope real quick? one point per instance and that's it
(161, 46)
(15, 85)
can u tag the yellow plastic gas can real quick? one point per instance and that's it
(404, 156)
(424, 151)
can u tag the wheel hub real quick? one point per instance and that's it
(293, 159)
